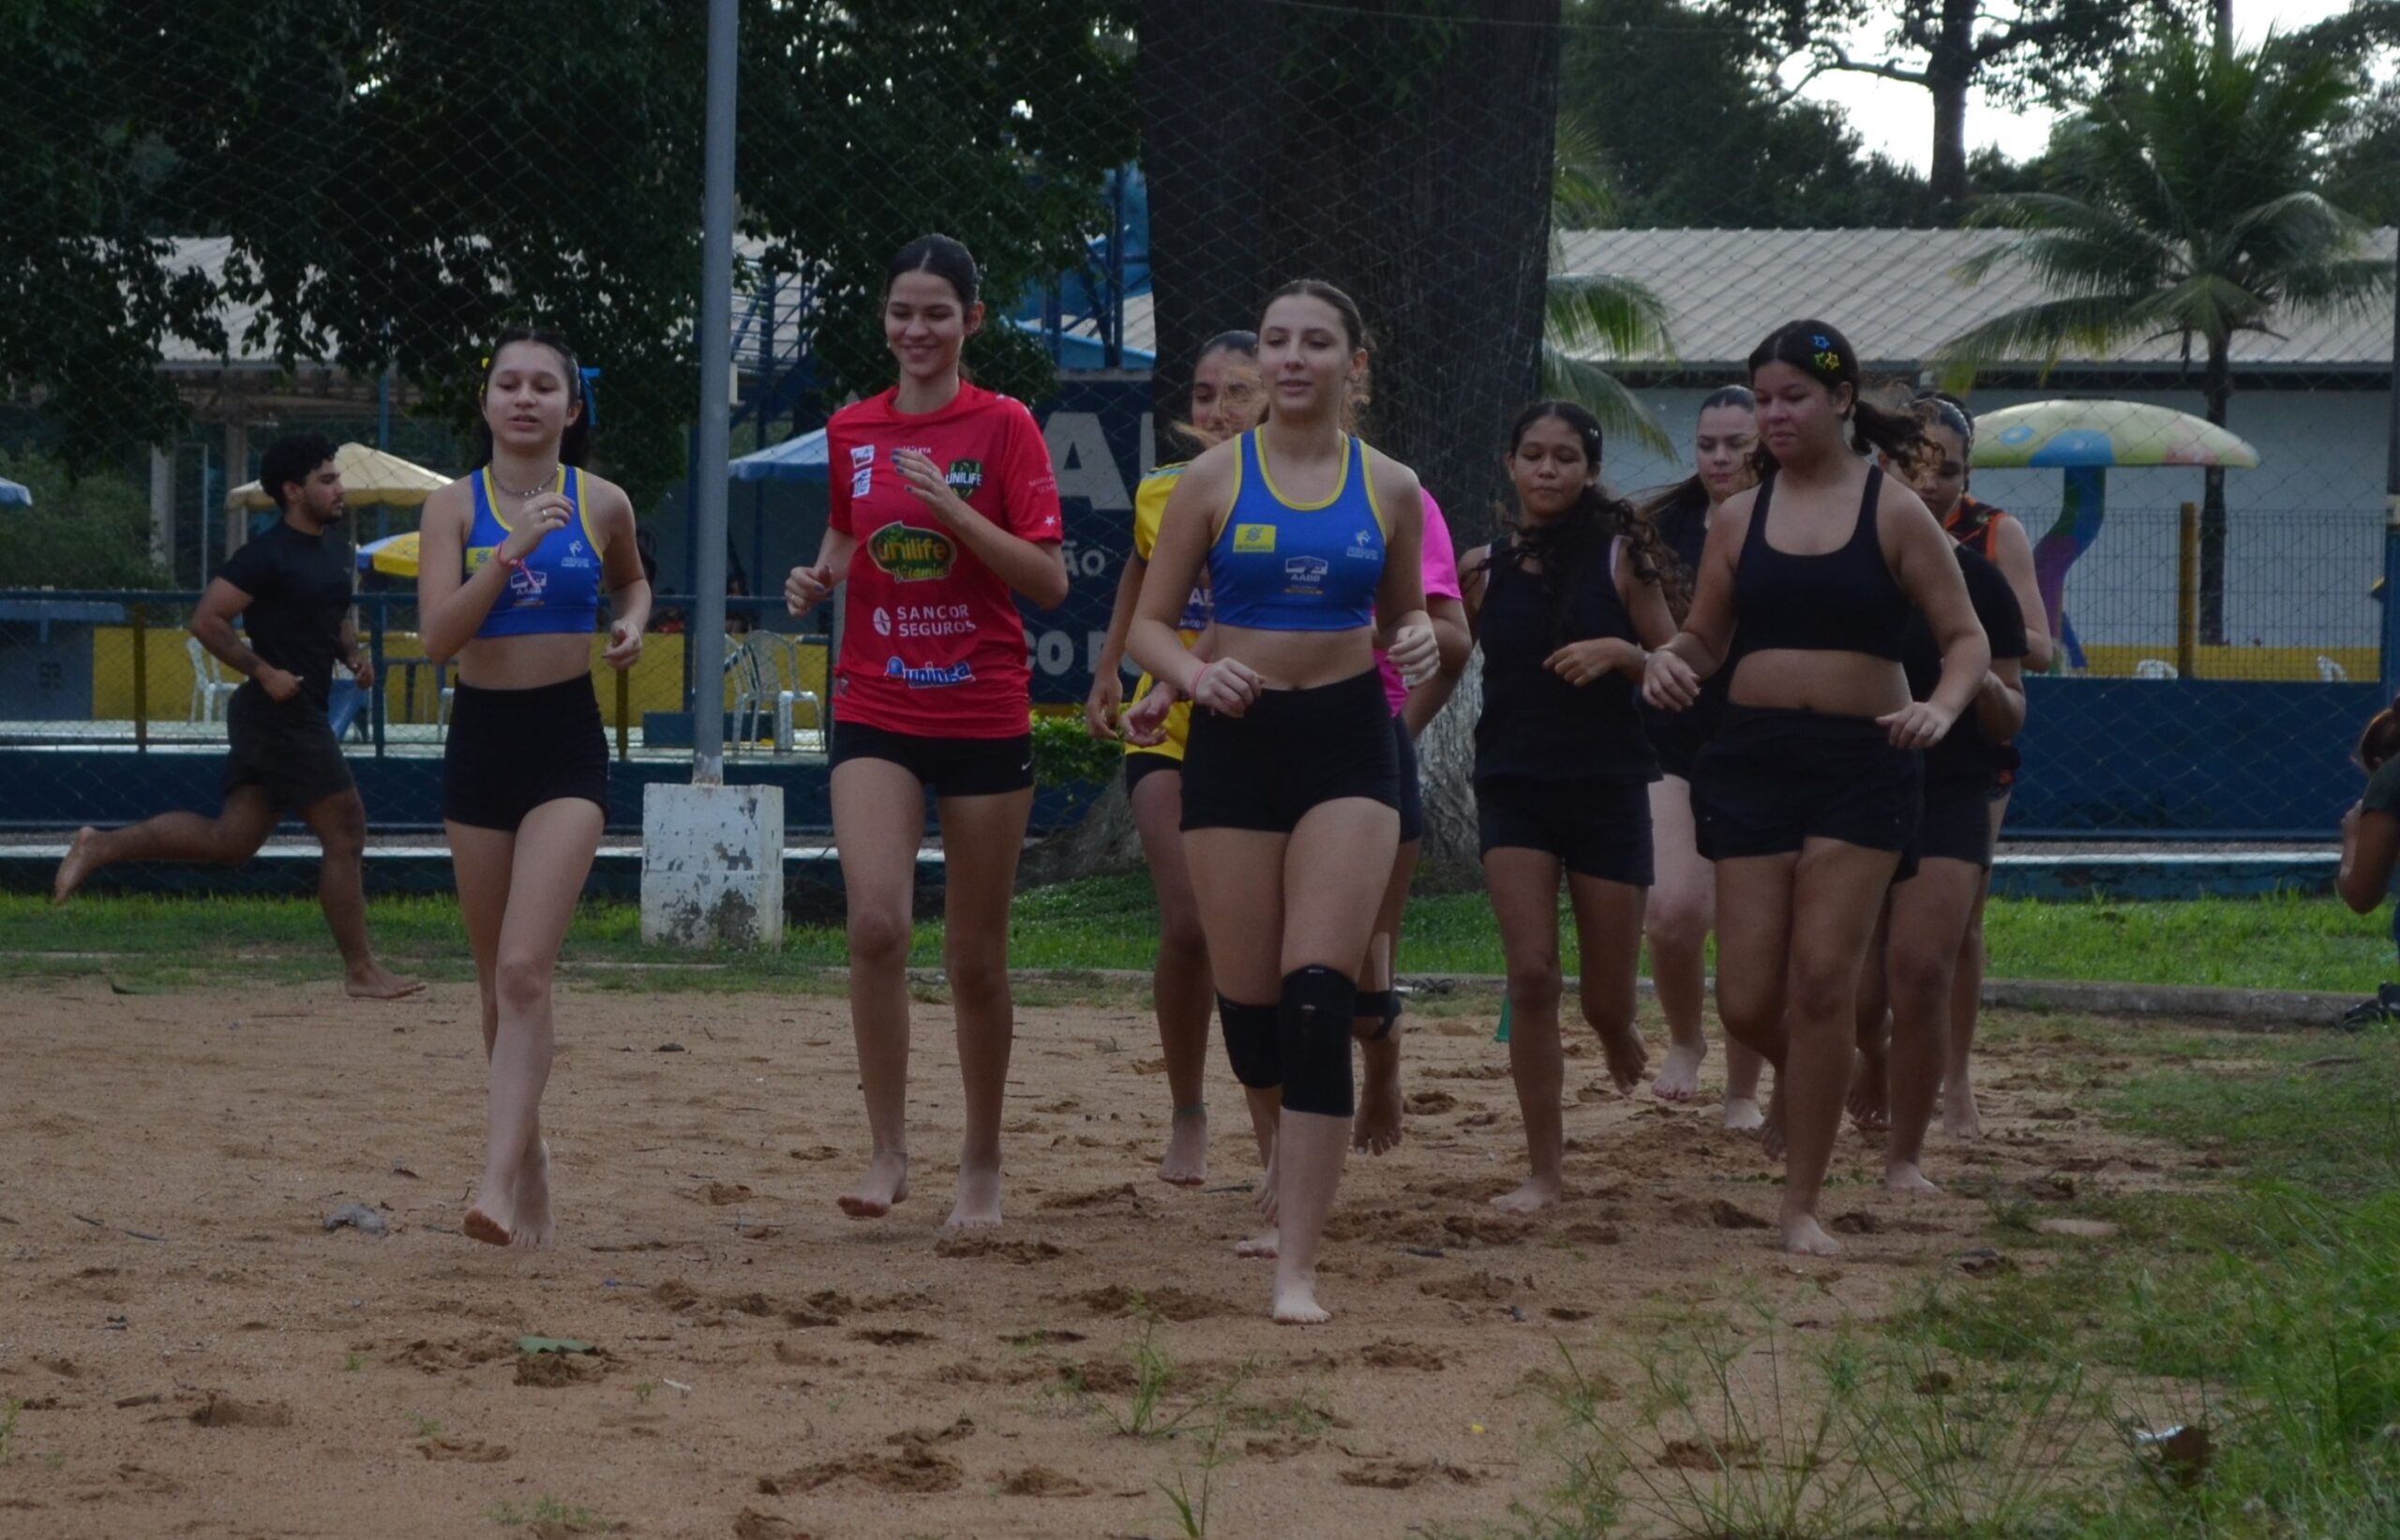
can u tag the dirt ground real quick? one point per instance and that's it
(195, 1354)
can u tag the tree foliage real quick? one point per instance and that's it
(398, 183)
(2012, 50)
(1695, 133)
(2192, 206)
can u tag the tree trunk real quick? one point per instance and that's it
(1445, 764)
(1948, 72)
(1102, 840)
(1404, 158)
(2218, 385)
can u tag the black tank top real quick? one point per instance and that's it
(1843, 600)
(1536, 724)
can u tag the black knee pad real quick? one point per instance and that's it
(1251, 1043)
(1382, 1007)
(1313, 1024)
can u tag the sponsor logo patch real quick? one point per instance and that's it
(1305, 571)
(937, 678)
(1253, 537)
(964, 476)
(913, 555)
(861, 455)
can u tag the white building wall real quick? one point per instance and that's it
(2304, 530)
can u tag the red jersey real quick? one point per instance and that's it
(932, 644)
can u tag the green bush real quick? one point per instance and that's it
(88, 533)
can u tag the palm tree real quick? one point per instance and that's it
(2194, 212)
(1586, 313)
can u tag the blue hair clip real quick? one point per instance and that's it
(1821, 340)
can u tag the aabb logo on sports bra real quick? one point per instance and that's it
(1305, 572)
(913, 555)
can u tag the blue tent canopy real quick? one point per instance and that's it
(800, 458)
(14, 496)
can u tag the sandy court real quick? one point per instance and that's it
(196, 1354)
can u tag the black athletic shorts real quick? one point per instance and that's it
(289, 750)
(948, 767)
(1140, 765)
(1292, 750)
(1677, 737)
(510, 751)
(1412, 788)
(1773, 778)
(1957, 825)
(1597, 828)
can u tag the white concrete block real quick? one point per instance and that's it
(713, 865)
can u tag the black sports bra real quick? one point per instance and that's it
(1843, 600)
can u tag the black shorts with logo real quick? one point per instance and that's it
(287, 749)
(948, 767)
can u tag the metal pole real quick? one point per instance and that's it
(2392, 511)
(711, 450)
(2187, 591)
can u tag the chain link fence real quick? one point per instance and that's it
(223, 223)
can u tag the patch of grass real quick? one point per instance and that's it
(1111, 922)
(427, 1427)
(548, 1511)
(8, 1425)
(2264, 1309)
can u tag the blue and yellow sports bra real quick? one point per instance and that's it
(558, 591)
(1279, 565)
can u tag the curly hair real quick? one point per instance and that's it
(1565, 547)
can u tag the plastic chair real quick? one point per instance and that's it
(2330, 672)
(749, 691)
(2153, 668)
(209, 689)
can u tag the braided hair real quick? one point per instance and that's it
(1567, 548)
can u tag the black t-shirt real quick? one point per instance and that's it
(300, 588)
(1965, 756)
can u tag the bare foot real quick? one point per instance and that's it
(978, 1205)
(1802, 1236)
(378, 982)
(80, 858)
(1868, 1079)
(1627, 1056)
(1267, 1245)
(1186, 1161)
(1959, 1117)
(1904, 1176)
(1742, 1114)
(1296, 1301)
(1771, 1126)
(1267, 1200)
(532, 1231)
(886, 1183)
(1376, 1129)
(1537, 1193)
(1679, 1079)
(492, 1221)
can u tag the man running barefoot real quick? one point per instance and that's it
(291, 587)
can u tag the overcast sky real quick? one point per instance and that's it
(1898, 119)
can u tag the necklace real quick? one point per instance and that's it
(538, 488)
